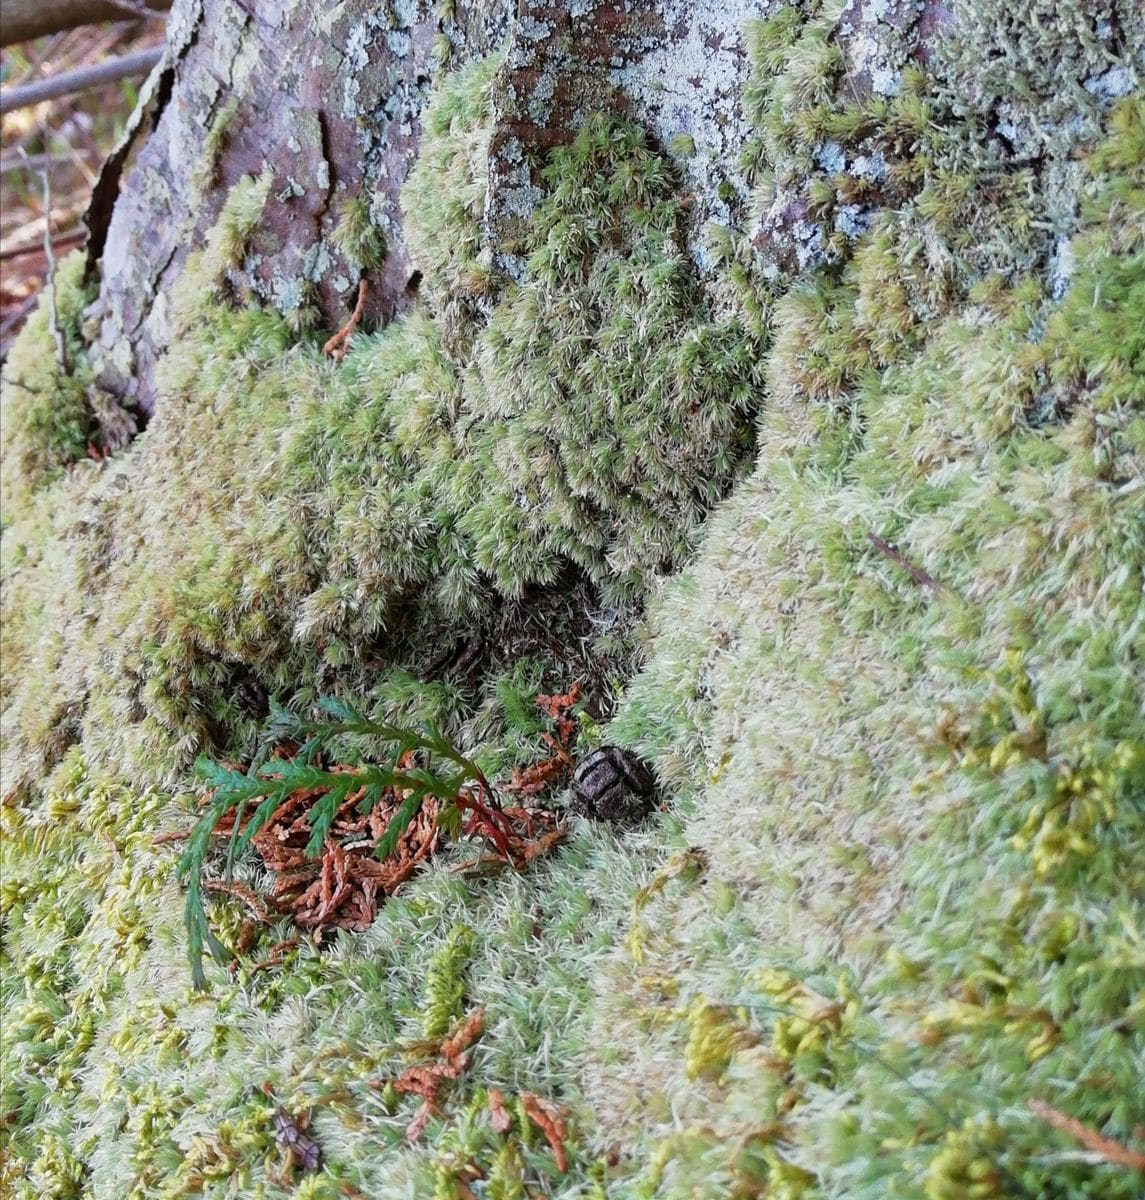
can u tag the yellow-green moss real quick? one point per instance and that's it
(969, 757)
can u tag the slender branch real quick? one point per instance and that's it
(1105, 1148)
(61, 241)
(63, 359)
(22, 20)
(80, 80)
(339, 344)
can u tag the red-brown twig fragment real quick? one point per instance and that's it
(243, 893)
(339, 344)
(486, 822)
(427, 1079)
(175, 835)
(1105, 1148)
(275, 956)
(499, 1116)
(896, 556)
(551, 1121)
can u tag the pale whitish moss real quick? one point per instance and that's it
(444, 199)
(923, 804)
(118, 1080)
(914, 813)
(356, 235)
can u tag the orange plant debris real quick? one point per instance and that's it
(1097, 1143)
(428, 1079)
(542, 775)
(551, 1120)
(499, 1116)
(344, 886)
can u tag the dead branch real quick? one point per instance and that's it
(81, 80)
(895, 555)
(339, 344)
(1105, 1148)
(22, 20)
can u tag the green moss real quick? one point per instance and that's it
(47, 416)
(206, 172)
(356, 235)
(444, 198)
(445, 986)
(969, 758)
(905, 892)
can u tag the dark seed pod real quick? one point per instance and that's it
(612, 784)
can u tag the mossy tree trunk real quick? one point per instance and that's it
(328, 99)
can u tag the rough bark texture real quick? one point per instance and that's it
(326, 101)
(330, 102)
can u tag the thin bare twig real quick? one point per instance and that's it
(174, 835)
(133, 8)
(69, 82)
(67, 238)
(63, 359)
(894, 554)
(1105, 1148)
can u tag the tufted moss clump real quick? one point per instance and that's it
(614, 405)
(593, 416)
(52, 410)
(444, 199)
(925, 799)
(893, 690)
(356, 235)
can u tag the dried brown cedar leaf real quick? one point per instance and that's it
(499, 1116)
(419, 1122)
(551, 1120)
(425, 1079)
(543, 844)
(463, 1036)
(557, 706)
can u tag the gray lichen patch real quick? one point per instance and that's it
(689, 83)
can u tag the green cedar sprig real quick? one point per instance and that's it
(270, 781)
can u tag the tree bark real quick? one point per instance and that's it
(329, 99)
(22, 20)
